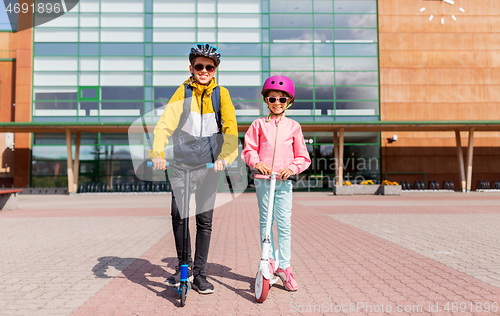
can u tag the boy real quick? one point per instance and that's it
(195, 143)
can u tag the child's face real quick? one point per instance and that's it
(203, 75)
(277, 107)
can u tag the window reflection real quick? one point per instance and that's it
(356, 78)
(291, 6)
(356, 93)
(289, 20)
(355, 20)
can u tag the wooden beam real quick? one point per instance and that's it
(69, 162)
(341, 156)
(460, 159)
(470, 150)
(76, 166)
(336, 156)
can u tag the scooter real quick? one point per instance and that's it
(265, 277)
(185, 285)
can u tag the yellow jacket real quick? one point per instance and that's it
(171, 115)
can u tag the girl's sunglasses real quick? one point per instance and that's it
(200, 67)
(272, 100)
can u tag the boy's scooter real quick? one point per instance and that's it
(185, 285)
(265, 276)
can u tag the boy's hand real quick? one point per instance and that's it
(159, 163)
(219, 165)
(263, 168)
(285, 173)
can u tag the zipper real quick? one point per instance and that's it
(201, 116)
(275, 142)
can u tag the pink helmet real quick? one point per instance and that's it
(279, 83)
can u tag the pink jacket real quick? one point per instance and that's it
(288, 148)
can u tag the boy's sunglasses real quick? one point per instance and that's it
(200, 67)
(272, 100)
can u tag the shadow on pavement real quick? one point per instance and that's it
(139, 271)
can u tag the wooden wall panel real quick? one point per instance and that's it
(441, 72)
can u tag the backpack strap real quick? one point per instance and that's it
(186, 108)
(216, 106)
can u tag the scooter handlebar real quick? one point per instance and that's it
(254, 171)
(208, 165)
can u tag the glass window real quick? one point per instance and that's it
(122, 93)
(230, 6)
(207, 35)
(355, 49)
(241, 64)
(353, 63)
(324, 78)
(55, 49)
(122, 78)
(326, 108)
(239, 49)
(291, 20)
(245, 93)
(89, 79)
(206, 6)
(206, 20)
(323, 63)
(355, 6)
(55, 78)
(323, 35)
(304, 93)
(122, 6)
(112, 49)
(169, 78)
(174, 20)
(121, 108)
(88, 93)
(241, 78)
(356, 78)
(324, 93)
(355, 20)
(291, 6)
(356, 34)
(239, 36)
(88, 108)
(323, 20)
(55, 63)
(58, 105)
(323, 6)
(89, 49)
(164, 93)
(356, 93)
(122, 35)
(172, 49)
(292, 63)
(56, 20)
(122, 20)
(363, 107)
(122, 63)
(238, 21)
(174, 6)
(89, 20)
(299, 78)
(253, 108)
(89, 35)
(89, 63)
(323, 49)
(291, 35)
(180, 35)
(291, 49)
(89, 5)
(56, 34)
(170, 63)
(115, 139)
(60, 93)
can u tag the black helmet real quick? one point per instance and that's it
(205, 50)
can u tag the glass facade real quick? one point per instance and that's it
(116, 60)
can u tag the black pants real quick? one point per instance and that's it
(206, 188)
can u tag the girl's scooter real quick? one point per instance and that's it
(185, 285)
(265, 275)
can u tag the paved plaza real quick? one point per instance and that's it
(415, 254)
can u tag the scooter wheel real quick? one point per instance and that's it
(183, 296)
(261, 287)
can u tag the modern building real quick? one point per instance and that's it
(114, 61)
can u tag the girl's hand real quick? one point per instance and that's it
(285, 173)
(159, 163)
(263, 168)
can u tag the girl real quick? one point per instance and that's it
(275, 144)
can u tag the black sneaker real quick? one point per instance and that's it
(175, 279)
(201, 284)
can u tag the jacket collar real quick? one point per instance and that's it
(199, 88)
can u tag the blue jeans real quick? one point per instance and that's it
(283, 215)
